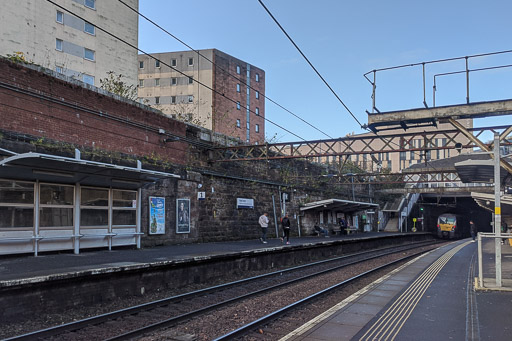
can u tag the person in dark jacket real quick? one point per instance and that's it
(286, 228)
(472, 229)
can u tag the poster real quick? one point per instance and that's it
(183, 216)
(156, 215)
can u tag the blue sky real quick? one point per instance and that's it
(345, 39)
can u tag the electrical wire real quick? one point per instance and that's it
(318, 73)
(220, 68)
(162, 62)
(310, 64)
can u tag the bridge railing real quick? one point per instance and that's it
(467, 71)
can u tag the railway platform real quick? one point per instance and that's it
(432, 297)
(30, 269)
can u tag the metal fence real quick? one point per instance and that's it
(495, 261)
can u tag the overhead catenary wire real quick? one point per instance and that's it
(310, 64)
(222, 69)
(166, 64)
(316, 71)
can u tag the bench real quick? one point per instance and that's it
(336, 231)
(350, 230)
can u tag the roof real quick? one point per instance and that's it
(53, 168)
(339, 204)
(486, 200)
(478, 171)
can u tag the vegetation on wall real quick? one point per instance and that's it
(115, 84)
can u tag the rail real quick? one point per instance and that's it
(298, 273)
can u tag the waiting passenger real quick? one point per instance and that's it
(321, 230)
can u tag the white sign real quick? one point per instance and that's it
(244, 203)
(201, 195)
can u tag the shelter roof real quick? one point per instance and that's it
(59, 169)
(339, 204)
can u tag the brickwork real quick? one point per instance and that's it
(67, 115)
(68, 112)
(226, 112)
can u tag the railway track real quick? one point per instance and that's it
(232, 309)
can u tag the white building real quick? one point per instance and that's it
(52, 37)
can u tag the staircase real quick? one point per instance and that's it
(392, 225)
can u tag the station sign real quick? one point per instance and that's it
(244, 203)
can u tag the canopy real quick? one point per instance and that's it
(339, 204)
(53, 168)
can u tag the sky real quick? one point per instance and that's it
(344, 40)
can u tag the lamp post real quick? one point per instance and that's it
(497, 207)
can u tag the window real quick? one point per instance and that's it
(173, 62)
(257, 77)
(238, 123)
(16, 204)
(59, 69)
(174, 81)
(93, 207)
(257, 128)
(60, 17)
(124, 208)
(157, 100)
(56, 205)
(238, 88)
(173, 99)
(90, 3)
(190, 61)
(248, 126)
(58, 44)
(89, 54)
(257, 94)
(157, 81)
(238, 69)
(88, 79)
(190, 98)
(89, 28)
(157, 63)
(141, 64)
(238, 105)
(257, 111)
(190, 80)
(141, 83)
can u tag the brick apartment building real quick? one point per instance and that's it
(208, 88)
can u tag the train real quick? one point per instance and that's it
(452, 226)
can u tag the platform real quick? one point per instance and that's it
(28, 268)
(430, 298)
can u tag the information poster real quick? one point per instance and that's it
(156, 215)
(183, 216)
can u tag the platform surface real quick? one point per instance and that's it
(430, 298)
(29, 267)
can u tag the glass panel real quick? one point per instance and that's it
(90, 217)
(56, 217)
(94, 197)
(17, 217)
(124, 217)
(124, 198)
(56, 195)
(13, 192)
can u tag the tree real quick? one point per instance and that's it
(113, 83)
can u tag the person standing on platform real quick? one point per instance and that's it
(472, 229)
(263, 221)
(286, 228)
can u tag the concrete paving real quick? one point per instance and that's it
(430, 298)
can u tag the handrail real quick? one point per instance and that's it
(467, 71)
